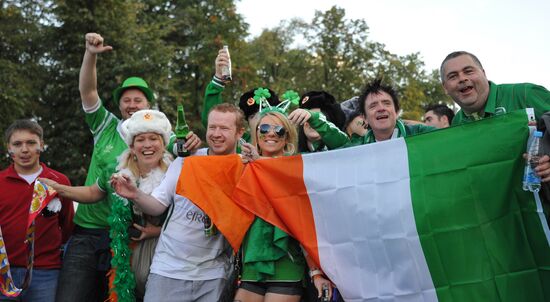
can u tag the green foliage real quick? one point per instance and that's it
(334, 53)
(198, 30)
(173, 45)
(341, 50)
(22, 71)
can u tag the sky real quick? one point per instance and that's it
(510, 38)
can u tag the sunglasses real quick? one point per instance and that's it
(280, 131)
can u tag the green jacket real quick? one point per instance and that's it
(510, 97)
(269, 254)
(331, 136)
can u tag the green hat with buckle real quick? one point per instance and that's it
(134, 83)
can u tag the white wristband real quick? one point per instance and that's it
(315, 272)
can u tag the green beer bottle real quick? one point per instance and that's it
(209, 227)
(181, 132)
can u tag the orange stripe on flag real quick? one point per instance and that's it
(259, 191)
(209, 181)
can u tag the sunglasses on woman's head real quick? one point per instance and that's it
(280, 131)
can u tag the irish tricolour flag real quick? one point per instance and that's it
(434, 217)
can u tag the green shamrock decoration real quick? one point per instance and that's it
(293, 97)
(261, 93)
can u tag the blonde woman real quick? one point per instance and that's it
(273, 262)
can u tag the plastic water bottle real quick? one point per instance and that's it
(531, 181)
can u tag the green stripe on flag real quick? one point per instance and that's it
(480, 232)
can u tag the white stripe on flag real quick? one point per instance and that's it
(366, 232)
(542, 218)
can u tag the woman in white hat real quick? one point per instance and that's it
(145, 162)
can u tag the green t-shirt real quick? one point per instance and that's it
(510, 97)
(108, 145)
(103, 182)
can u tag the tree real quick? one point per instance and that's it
(173, 44)
(274, 60)
(138, 49)
(22, 71)
(336, 55)
(343, 56)
(198, 29)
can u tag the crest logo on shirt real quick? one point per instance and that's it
(108, 148)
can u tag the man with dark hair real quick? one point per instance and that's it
(53, 226)
(188, 265)
(380, 106)
(438, 115)
(464, 80)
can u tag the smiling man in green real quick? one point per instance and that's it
(464, 80)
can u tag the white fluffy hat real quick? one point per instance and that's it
(144, 121)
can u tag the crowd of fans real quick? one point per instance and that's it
(133, 237)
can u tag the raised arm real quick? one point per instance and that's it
(88, 74)
(213, 93)
(82, 194)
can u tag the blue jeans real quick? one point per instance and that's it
(41, 289)
(85, 265)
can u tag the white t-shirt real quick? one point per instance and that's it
(183, 251)
(30, 178)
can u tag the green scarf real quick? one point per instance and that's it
(399, 131)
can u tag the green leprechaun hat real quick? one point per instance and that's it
(137, 83)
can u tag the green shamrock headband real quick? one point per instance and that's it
(290, 99)
(293, 97)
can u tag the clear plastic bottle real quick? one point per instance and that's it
(531, 181)
(226, 70)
